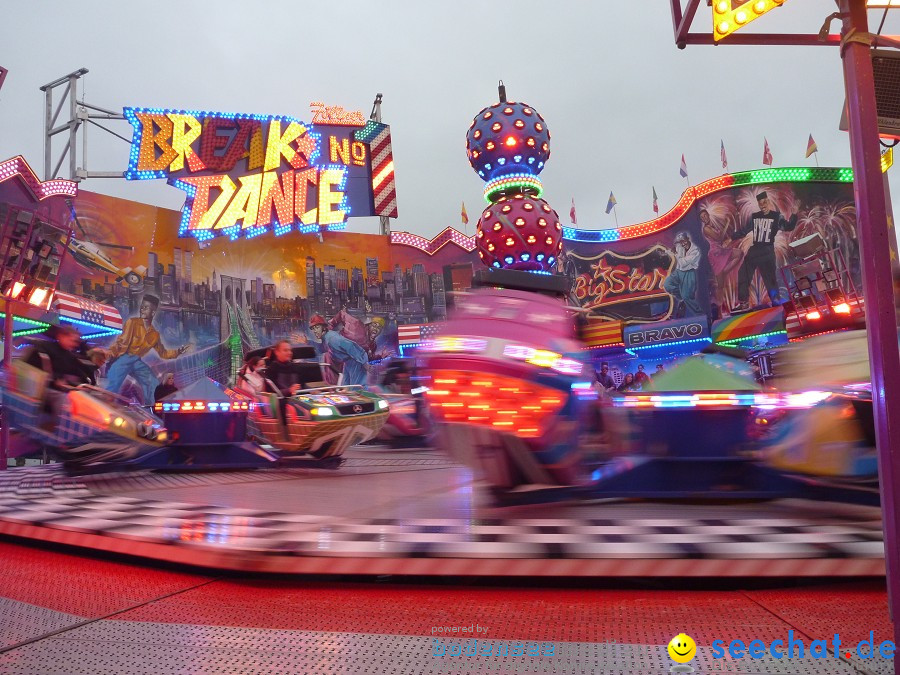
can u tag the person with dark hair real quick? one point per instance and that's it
(640, 377)
(604, 378)
(58, 359)
(249, 377)
(628, 384)
(138, 337)
(764, 224)
(290, 377)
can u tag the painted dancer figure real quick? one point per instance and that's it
(137, 339)
(681, 283)
(764, 224)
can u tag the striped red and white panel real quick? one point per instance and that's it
(602, 333)
(383, 184)
(84, 309)
(410, 334)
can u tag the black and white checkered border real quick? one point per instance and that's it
(47, 498)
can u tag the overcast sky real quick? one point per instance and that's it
(621, 101)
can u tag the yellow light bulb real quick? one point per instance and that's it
(723, 27)
(759, 7)
(722, 7)
(741, 17)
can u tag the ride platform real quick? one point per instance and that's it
(415, 513)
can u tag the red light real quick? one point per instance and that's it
(510, 141)
(842, 308)
(813, 315)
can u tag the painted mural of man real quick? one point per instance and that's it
(681, 283)
(764, 224)
(138, 337)
(347, 356)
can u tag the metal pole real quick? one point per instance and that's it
(73, 127)
(7, 363)
(874, 239)
(48, 115)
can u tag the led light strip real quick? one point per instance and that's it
(731, 343)
(631, 350)
(693, 193)
(516, 180)
(18, 167)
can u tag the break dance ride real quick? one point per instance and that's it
(513, 397)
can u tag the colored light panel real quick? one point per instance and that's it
(18, 168)
(518, 182)
(729, 17)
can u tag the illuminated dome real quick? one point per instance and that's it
(508, 138)
(520, 232)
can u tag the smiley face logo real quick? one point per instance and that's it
(682, 648)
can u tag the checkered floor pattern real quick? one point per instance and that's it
(44, 499)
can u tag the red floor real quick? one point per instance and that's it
(93, 589)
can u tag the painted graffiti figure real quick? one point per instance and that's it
(764, 225)
(681, 283)
(344, 354)
(138, 337)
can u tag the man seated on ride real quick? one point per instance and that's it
(66, 370)
(290, 376)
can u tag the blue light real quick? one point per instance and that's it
(501, 161)
(551, 260)
(539, 257)
(525, 257)
(509, 260)
(496, 264)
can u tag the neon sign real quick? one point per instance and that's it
(336, 115)
(669, 331)
(623, 287)
(250, 174)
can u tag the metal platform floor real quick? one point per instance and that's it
(65, 614)
(413, 512)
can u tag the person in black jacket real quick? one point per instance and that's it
(59, 358)
(287, 376)
(764, 224)
(166, 388)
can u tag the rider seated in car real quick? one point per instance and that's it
(281, 371)
(58, 358)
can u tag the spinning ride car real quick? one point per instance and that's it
(88, 424)
(825, 427)
(408, 421)
(508, 382)
(314, 418)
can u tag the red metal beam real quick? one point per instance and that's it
(684, 26)
(676, 15)
(765, 39)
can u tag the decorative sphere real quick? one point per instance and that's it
(508, 138)
(520, 233)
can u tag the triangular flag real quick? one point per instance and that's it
(811, 147)
(572, 213)
(655, 202)
(611, 203)
(724, 156)
(767, 154)
(683, 170)
(464, 215)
